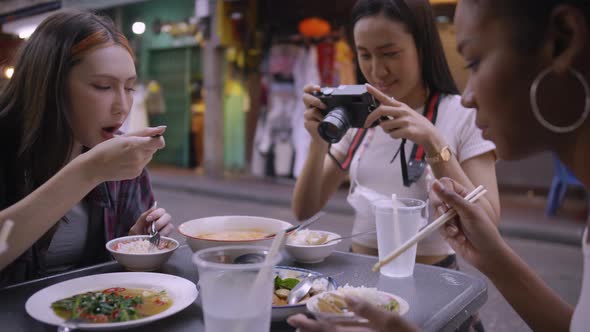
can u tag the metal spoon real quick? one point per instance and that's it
(301, 226)
(348, 236)
(304, 286)
(249, 258)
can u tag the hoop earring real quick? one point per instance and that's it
(537, 112)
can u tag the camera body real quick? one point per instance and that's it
(347, 106)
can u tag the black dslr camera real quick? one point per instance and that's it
(347, 107)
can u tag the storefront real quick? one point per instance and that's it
(169, 70)
(171, 64)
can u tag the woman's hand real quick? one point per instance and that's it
(404, 122)
(153, 215)
(379, 319)
(124, 157)
(472, 234)
(312, 116)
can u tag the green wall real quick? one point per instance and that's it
(170, 61)
(148, 12)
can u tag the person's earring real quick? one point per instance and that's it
(537, 112)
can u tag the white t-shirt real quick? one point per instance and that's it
(580, 319)
(371, 166)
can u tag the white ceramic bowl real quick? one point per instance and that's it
(141, 262)
(193, 228)
(312, 253)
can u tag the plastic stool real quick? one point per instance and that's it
(561, 180)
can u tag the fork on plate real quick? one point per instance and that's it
(154, 234)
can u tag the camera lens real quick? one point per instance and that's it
(334, 125)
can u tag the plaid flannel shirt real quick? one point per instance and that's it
(113, 208)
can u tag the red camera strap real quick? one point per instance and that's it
(430, 112)
(356, 143)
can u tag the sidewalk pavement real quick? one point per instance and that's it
(522, 214)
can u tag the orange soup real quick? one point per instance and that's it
(243, 235)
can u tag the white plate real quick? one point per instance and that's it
(311, 305)
(182, 292)
(280, 313)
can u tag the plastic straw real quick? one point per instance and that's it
(4, 233)
(267, 264)
(395, 219)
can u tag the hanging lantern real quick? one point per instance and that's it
(314, 27)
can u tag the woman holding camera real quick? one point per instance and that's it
(400, 54)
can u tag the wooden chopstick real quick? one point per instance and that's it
(471, 197)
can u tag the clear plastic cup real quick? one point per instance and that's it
(233, 295)
(393, 231)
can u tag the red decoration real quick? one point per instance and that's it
(314, 27)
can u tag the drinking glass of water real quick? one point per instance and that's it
(397, 221)
(231, 299)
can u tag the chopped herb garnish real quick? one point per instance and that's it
(287, 283)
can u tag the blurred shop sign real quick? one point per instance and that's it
(94, 4)
(24, 26)
(10, 6)
(11, 10)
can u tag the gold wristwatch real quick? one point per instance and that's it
(443, 155)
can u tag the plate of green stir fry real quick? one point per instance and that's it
(112, 300)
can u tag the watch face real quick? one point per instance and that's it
(445, 154)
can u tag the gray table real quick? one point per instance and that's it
(440, 299)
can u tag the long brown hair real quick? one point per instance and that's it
(418, 18)
(35, 131)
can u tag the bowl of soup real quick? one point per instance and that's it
(230, 230)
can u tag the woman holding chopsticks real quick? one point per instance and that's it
(529, 69)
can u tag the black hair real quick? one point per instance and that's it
(418, 18)
(529, 19)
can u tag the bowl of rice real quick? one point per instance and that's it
(136, 253)
(307, 246)
(332, 305)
